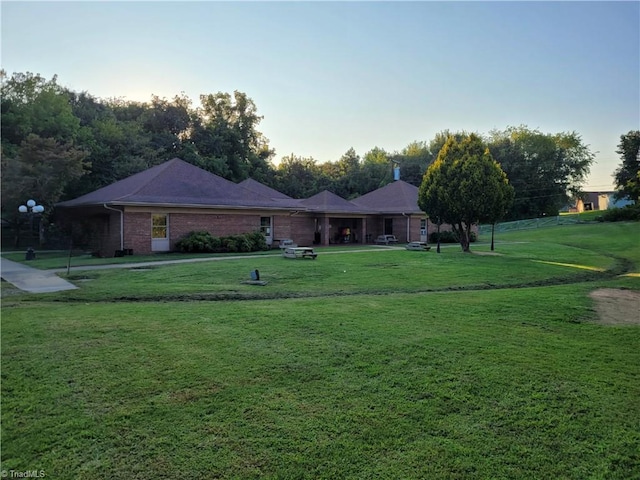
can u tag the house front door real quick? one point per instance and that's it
(267, 230)
(160, 233)
(388, 226)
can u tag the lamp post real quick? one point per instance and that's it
(32, 209)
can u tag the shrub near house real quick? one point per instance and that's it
(204, 242)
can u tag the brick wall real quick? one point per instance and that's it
(137, 232)
(299, 228)
(137, 227)
(180, 224)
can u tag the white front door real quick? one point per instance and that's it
(423, 230)
(267, 230)
(160, 233)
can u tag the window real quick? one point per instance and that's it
(265, 226)
(159, 226)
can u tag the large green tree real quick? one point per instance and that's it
(627, 176)
(32, 104)
(546, 170)
(464, 186)
(300, 177)
(227, 140)
(40, 170)
(376, 170)
(413, 161)
(346, 175)
(41, 153)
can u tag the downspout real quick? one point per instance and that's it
(121, 223)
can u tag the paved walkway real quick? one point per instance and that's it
(31, 279)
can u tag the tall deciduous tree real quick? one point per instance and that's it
(32, 104)
(227, 139)
(413, 161)
(376, 170)
(464, 186)
(627, 176)
(546, 170)
(40, 153)
(346, 181)
(41, 170)
(299, 177)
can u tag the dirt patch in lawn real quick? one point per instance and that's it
(617, 307)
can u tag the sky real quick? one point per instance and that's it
(330, 76)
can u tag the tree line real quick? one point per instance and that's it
(59, 144)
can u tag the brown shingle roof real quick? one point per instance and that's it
(177, 182)
(263, 189)
(326, 201)
(396, 197)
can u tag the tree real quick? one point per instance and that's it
(347, 175)
(546, 170)
(41, 170)
(627, 176)
(227, 139)
(375, 171)
(298, 177)
(464, 186)
(33, 105)
(40, 151)
(168, 123)
(413, 161)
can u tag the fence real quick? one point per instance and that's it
(530, 223)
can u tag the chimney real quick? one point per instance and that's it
(396, 172)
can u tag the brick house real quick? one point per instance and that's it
(150, 211)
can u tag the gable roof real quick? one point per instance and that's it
(177, 183)
(396, 197)
(326, 201)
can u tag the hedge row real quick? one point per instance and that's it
(204, 242)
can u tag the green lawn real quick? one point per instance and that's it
(385, 364)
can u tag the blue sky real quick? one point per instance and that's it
(328, 76)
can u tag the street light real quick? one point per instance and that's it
(31, 209)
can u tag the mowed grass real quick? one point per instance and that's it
(348, 272)
(409, 365)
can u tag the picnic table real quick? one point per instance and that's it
(299, 252)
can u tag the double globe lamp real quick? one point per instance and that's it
(31, 208)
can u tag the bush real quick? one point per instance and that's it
(258, 241)
(196, 242)
(624, 214)
(449, 237)
(204, 242)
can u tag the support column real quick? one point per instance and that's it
(363, 233)
(326, 231)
